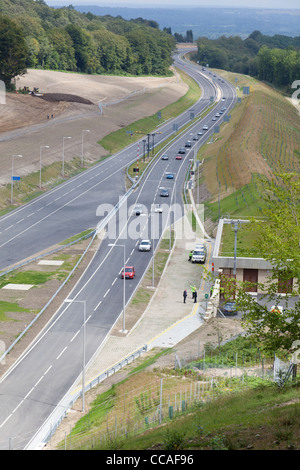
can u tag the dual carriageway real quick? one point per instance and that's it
(34, 386)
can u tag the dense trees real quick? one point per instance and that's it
(279, 242)
(65, 39)
(274, 59)
(13, 50)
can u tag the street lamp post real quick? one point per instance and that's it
(83, 345)
(42, 147)
(12, 176)
(82, 145)
(124, 285)
(63, 160)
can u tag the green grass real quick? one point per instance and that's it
(245, 241)
(76, 237)
(244, 202)
(26, 277)
(6, 307)
(238, 412)
(117, 140)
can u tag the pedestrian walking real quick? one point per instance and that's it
(191, 255)
(184, 295)
(195, 296)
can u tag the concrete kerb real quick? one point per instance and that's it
(136, 340)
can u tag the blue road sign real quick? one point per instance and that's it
(16, 178)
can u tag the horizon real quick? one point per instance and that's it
(256, 4)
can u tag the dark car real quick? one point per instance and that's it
(229, 308)
(181, 150)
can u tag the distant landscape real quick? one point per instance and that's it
(208, 22)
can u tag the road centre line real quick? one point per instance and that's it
(40, 379)
(99, 266)
(74, 336)
(98, 305)
(106, 293)
(61, 352)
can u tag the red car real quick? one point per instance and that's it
(178, 157)
(129, 272)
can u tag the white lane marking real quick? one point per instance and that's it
(106, 293)
(74, 336)
(61, 352)
(97, 305)
(48, 370)
(40, 379)
(114, 281)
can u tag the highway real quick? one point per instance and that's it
(32, 389)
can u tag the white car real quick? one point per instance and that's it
(205, 128)
(199, 256)
(145, 245)
(158, 208)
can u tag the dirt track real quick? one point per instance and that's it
(25, 125)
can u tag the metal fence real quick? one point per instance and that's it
(160, 401)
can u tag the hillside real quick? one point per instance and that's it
(263, 132)
(65, 39)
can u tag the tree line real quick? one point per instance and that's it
(275, 59)
(33, 35)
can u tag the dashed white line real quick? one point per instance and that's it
(40, 379)
(97, 305)
(114, 281)
(61, 353)
(47, 370)
(106, 293)
(74, 336)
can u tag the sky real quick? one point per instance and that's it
(274, 4)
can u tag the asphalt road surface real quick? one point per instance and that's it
(36, 384)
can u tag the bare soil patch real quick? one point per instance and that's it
(28, 122)
(55, 97)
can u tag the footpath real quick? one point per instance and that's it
(167, 319)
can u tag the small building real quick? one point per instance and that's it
(245, 269)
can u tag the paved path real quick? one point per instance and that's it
(166, 320)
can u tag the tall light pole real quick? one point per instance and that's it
(83, 345)
(12, 176)
(63, 160)
(82, 145)
(124, 285)
(42, 147)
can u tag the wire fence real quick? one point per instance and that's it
(193, 385)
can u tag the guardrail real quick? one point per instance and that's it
(48, 431)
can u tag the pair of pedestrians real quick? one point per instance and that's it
(194, 294)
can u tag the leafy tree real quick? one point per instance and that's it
(279, 243)
(85, 50)
(13, 51)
